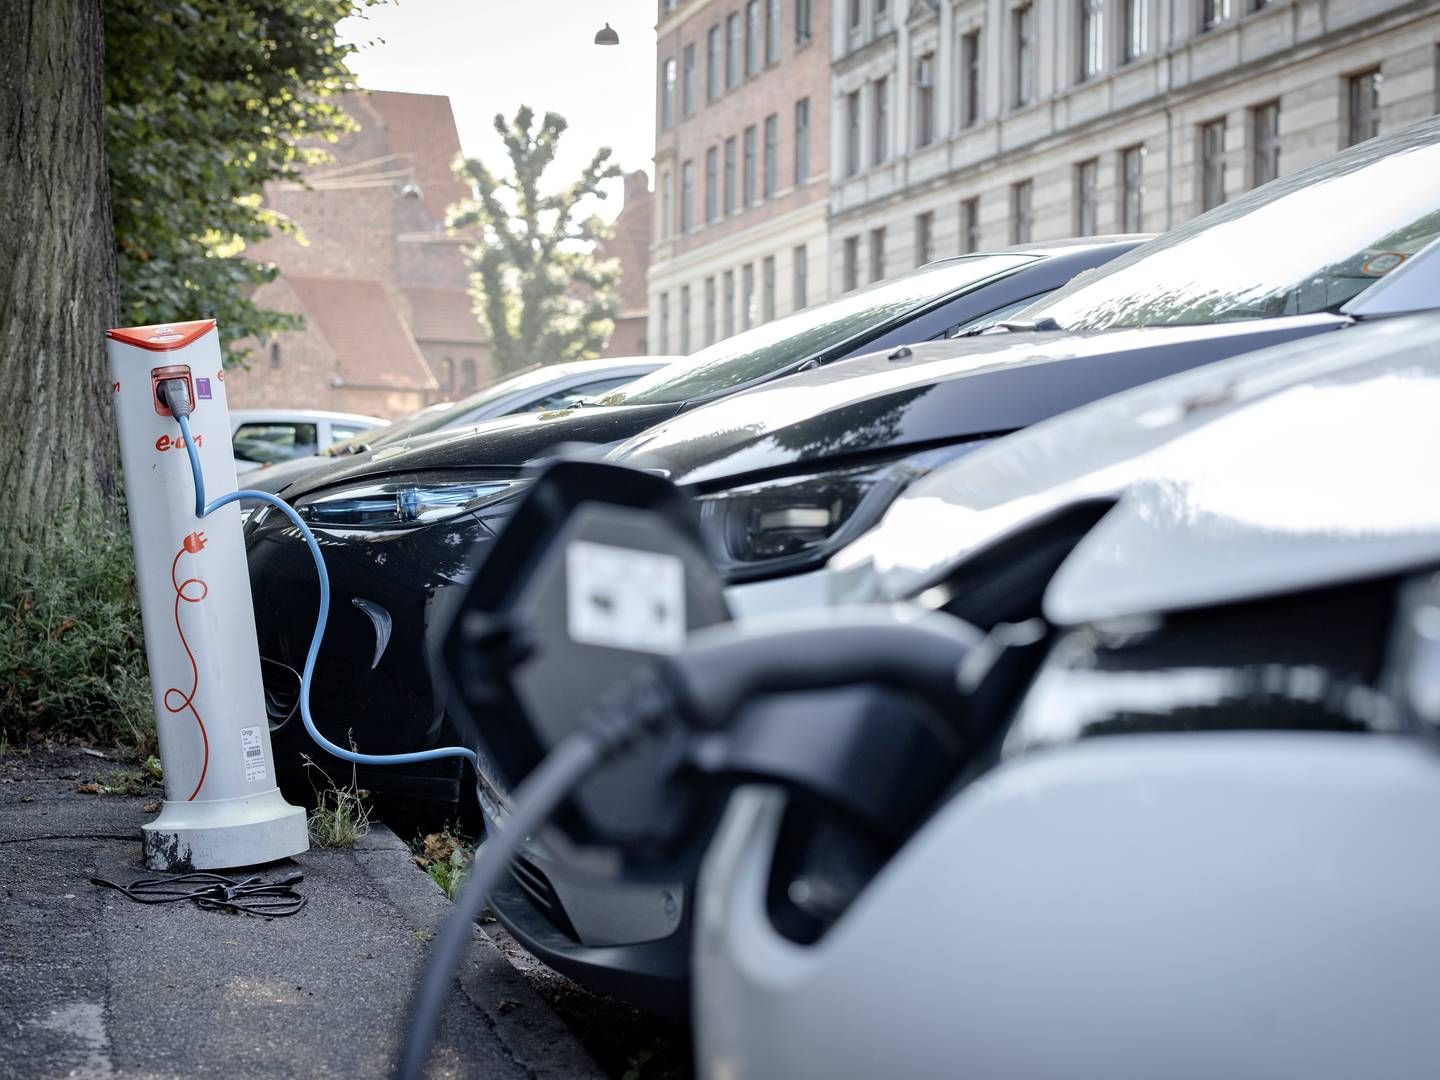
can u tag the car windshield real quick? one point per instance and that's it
(769, 349)
(1296, 246)
(428, 420)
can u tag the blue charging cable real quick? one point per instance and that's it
(307, 675)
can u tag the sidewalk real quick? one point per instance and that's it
(94, 984)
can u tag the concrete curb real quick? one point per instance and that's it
(523, 1023)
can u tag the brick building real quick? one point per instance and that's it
(383, 287)
(741, 161)
(631, 245)
(966, 124)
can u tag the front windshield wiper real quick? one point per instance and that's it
(1014, 326)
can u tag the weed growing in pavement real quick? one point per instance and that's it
(341, 815)
(445, 856)
(72, 664)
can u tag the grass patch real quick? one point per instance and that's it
(72, 665)
(446, 856)
(341, 815)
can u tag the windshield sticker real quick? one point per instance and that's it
(1382, 264)
(620, 598)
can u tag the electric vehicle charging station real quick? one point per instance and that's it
(222, 807)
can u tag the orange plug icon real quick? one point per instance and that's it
(194, 542)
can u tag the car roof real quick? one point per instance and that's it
(302, 415)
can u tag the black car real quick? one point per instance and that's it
(785, 475)
(398, 524)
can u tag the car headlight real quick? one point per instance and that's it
(403, 503)
(785, 525)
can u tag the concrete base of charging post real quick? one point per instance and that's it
(222, 808)
(231, 832)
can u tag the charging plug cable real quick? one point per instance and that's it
(176, 397)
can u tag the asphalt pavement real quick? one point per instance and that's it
(93, 984)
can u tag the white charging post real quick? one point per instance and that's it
(222, 807)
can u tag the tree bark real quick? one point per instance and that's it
(57, 275)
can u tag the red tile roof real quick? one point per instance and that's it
(438, 314)
(421, 130)
(362, 323)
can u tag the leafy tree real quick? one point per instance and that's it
(205, 102)
(539, 287)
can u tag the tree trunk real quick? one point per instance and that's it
(57, 275)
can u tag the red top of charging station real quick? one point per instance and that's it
(164, 337)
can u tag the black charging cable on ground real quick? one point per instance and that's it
(215, 892)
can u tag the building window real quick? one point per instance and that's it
(772, 155)
(1132, 189)
(877, 254)
(687, 196)
(712, 185)
(750, 171)
(469, 376)
(732, 51)
(667, 206)
(1213, 13)
(1022, 33)
(665, 323)
(852, 133)
(1264, 143)
(970, 79)
(667, 94)
(800, 283)
(882, 14)
(728, 316)
(802, 141)
(924, 237)
(1092, 38)
(1212, 164)
(925, 100)
(275, 359)
(730, 176)
(447, 374)
(1087, 175)
(687, 82)
(752, 37)
(710, 325)
(685, 320)
(850, 272)
(969, 225)
(747, 296)
(802, 21)
(767, 288)
(853, 9)
(1022, 212)
(712, 62)
(1364, 107)
(772, 31)
(880, 121)
(1137, 29)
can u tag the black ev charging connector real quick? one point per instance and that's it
(628, 739)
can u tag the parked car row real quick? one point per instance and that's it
(1162, 459)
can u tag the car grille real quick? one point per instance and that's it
(537, 886)
(282, 691)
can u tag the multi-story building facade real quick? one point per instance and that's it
(965, 124)
(741, 167)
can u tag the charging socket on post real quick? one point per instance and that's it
(160, 375)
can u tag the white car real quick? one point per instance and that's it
(264, 436)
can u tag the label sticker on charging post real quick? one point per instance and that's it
(254, 754)
(621, 598)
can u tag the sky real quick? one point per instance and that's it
(493, 56)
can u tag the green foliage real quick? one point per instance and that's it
(538, 286)
(341, 815)
(71, 662)
(446, 856)
(205, 102)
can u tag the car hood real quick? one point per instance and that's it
(943, 391)
(506, 442)
(1267, 472)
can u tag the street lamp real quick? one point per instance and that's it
(607, 36)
